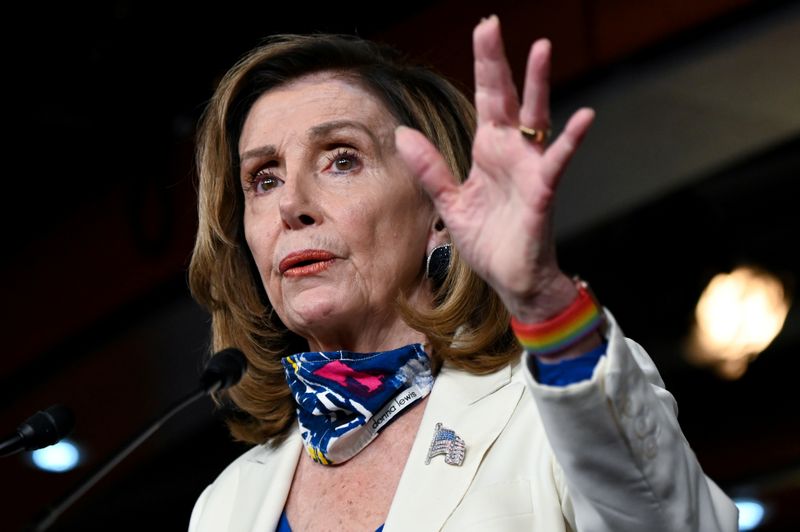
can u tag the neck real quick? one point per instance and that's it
(367, 339)
(373, 331)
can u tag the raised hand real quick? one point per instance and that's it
(501, 217)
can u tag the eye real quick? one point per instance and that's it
(263, 181)
(344, 161)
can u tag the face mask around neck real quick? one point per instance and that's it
(345, 399)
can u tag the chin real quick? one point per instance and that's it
(310, 312)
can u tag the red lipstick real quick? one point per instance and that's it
(305, 262)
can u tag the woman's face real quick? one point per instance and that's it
(335, 222)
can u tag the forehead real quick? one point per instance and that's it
(310, 100)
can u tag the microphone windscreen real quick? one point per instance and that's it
(47, 427)
(225, 369)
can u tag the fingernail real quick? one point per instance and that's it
(400, 132)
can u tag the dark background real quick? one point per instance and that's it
(100, 109)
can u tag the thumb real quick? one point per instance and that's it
(425, 161)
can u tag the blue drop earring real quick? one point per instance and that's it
(438, 264)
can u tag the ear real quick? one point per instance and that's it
(437, 235)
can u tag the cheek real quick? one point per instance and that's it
(360, 219)
(261, 242)
(393, 237)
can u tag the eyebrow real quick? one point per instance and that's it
(327, 128)
(268, 150)
(316, 133)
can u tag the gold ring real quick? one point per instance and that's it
(537, 136)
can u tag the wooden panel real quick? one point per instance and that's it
(442, 36)
(622, 27)
(98, 259)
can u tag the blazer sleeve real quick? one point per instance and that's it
(197, 510)
(625, 461)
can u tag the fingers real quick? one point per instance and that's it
(560, 152)
(425, 161)
(496, 97)
(535, 110)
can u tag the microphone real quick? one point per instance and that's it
(44, 428)
(223, 370)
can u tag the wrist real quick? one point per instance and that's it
(572, 330)
(556, 295)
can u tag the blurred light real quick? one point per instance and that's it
(751, 513)
(737, 317)
(58, 458)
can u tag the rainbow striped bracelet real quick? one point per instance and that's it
(581, 318)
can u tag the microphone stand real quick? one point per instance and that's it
(56, 510)
(223, 370)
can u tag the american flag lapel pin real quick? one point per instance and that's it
(447, 442)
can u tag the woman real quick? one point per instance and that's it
(327, 203)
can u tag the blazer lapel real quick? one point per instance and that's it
(477, 408)
(264, 483)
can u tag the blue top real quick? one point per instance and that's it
(283, 524)
(569, 371)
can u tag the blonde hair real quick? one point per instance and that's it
(468, 326)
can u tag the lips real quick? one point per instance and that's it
(306, 262)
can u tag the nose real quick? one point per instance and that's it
(297, 203)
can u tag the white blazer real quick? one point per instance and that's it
(606, 454)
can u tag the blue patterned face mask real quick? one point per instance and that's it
(344, 399)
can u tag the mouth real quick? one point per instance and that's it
(306, 262)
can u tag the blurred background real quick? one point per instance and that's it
(690, 171)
